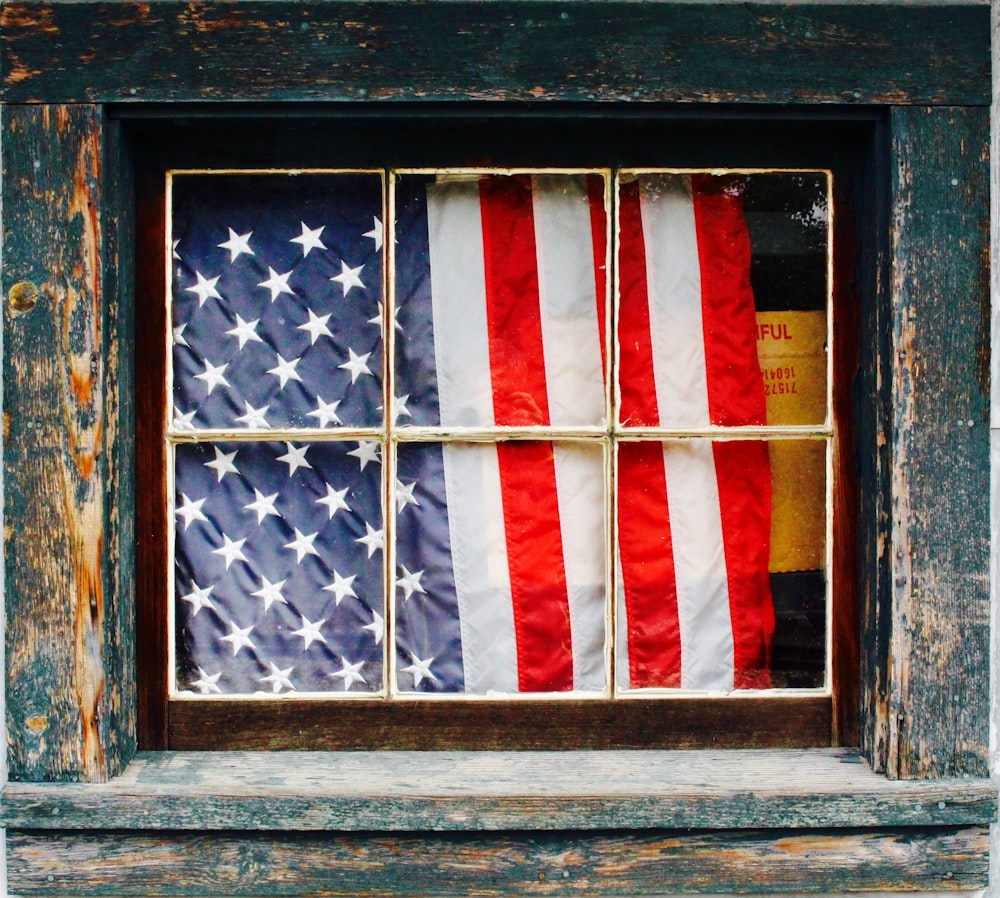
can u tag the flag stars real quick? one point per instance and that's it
(376, 627)
(183, 420)
(326, 412)
(341, 587)
(373, 540)
(310, 632)
(213, 376)
(350, 673)
(179, 334)
(191, 511)
(375, 233)
(404, 495)
(198, 598)
(277, 283)
(285, 371)
(309, 239)
(204, 288)
(334, 500)
(237, 244)
(207, 683)
(316, 326)
(279, 679)
(230, 550)
(245, 330)
(303, 545)
(263, 505)
(367, 451)
(254, 417)
(270, 593)
(420, 670)
(410, 583)
(295, 458)
(377, 320)
(356, 364)
(238, 637)
(223, 463)
(348, 277)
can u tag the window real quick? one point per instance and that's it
(581, 405)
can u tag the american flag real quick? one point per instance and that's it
(501, 561)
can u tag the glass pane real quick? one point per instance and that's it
(501, 298)
(723, 285)
(278, 568)
(721, 564)
(276, 300)
(500, 570)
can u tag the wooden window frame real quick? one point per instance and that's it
(598, 822)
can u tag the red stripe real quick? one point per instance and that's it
(517, 364)
(635, 357)
(743, 472)
(599, 232)
(537, 572)
(647, 558)
(735, 389)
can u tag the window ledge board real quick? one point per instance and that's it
(478, 791)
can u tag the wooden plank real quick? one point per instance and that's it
(360, 791)
(940, 442)
(571, 864)
(69, 705)
(523, 50)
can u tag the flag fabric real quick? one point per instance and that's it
(695, 608)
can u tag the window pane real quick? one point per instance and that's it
(501, 296)
(278, 567)
(276, 299)
(500, 568)
(713, 537)
(722, 292)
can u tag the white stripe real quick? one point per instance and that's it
(458, 295)
(623, 676)
(564, 247)
(580, 491)
(673, 281)
(700, 566)
(479, 559)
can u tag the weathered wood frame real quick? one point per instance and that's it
(82, 799)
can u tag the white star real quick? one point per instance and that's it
(326, 412)
(404, 495)
(399, 406)
(348, 277)
(410, 583)
(309, 632)
(183, 421)
(285, 371)
(356, 364)
(212, 375)
(349, 673)
(205, 683)
(334, 500)
(377, 626)
(375, 233)
(309, 239)
(173, 249)
(295, 458)
(245, 330)
(377, 320)
(231, 551)
(179, 334)
(420, 670)
(263, 505)
(367, 451)
(373, 539)
(236, 244)
(279, 678)
(303, 545)
(199, 598)
(341, 586)
(238, 638)
(204, 288)
(223, 463)
(270, 592)
(277, 283)
(191, 511)
(254, 417)
(316, 326)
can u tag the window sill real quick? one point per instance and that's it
(491, 791)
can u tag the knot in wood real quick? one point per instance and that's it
(22, 297)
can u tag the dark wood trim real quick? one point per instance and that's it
(529, 51)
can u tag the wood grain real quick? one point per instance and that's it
(63, 455)
(566, 863)
(518, 50)
(939, 705)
